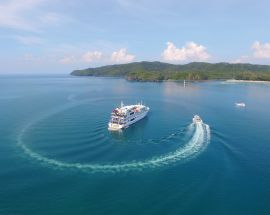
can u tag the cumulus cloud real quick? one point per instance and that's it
(191, 51)
(261, 50)
(68, 60)
(97, 57)
(91, 56)
(84, 58)
(260, 53)
(121, 56)
(242, 59)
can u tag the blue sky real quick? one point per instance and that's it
(57, 36)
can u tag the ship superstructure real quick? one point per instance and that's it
(124, 116)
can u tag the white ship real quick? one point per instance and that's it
(196, 119)
(124, 116)
(240, 104)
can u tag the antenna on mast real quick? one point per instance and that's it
(122, 104)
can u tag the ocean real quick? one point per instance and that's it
(58, 157)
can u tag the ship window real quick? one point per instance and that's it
(132, 119)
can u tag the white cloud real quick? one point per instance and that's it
(91, 56)
(85, 58)
(121, 56)
(242, 59)
(28, 57)
(27, 15)
(29, 40)
(68, 60)
(98, 58)
(50, 18)
(261, 50)
(12, 14)
(191, 51)
(55, 19)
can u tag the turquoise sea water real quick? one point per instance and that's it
(57, 156)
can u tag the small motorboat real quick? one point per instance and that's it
(197, 119)
(240, 104)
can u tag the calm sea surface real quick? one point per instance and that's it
(57, 156)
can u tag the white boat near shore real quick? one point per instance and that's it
(124, 116)
(240, 104)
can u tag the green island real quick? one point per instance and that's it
(159, 71)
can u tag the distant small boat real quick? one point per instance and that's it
(240, 104)
(197, 119)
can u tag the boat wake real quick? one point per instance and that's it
(196, 144)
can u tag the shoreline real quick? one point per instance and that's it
(246, 81)
(175, 80)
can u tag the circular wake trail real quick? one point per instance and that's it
(193, 147)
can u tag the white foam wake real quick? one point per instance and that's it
(193, 147)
